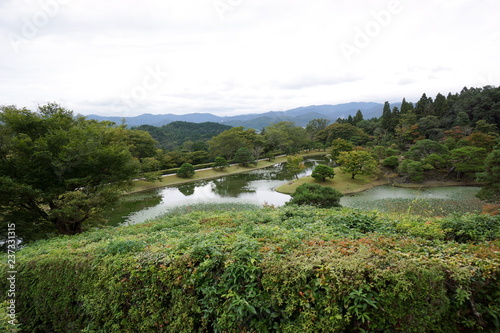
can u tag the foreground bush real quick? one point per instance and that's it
(293, 269)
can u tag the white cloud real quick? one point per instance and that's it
(257, 56)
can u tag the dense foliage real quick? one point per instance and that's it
(321, 172)
(58, 170)
(293, 269)
(184, 135)
(315, 195)
(186, 171)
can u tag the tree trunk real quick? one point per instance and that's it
(68, 227)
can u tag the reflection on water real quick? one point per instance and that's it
(255, 187)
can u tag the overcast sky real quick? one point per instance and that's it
(124, 58)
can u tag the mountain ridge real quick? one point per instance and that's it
(301, 116)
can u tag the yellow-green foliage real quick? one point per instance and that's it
(292, 269)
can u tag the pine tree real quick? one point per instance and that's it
(358, 117)
(406, 107)
(386, 120)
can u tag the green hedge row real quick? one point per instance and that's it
(273, 270)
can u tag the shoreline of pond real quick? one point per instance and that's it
(375, 183)
(171, 180)
(209, 174)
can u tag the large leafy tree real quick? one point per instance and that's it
(342, 131)
(357, 162)
(57, 169)
(227, 143)
(316, 125)
(286, 137)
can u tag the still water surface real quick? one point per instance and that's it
(257, 187)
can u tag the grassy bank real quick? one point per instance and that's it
(172, 180)
(342, 182)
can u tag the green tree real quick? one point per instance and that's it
(321, 172)
(316, 125)
(491, 178)
(462, 119)
(414, 170)
(295, 164)
(316, 195)
(244, 157)
(338, 146)
(343, 131)
(286, 137)
(441, 107)
(406, 107)
(483, 127)
(357, 162)
(228, 142)
(186, 171)
(426, 147)
(391, 162)
(59, 170)
(358, 117)
(220, 163)
(424, 107)
(387, 122)
(468, 159)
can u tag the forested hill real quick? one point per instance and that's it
(179, 133)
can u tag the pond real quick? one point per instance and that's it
(435, 201)
(257, 187)
(254, 187)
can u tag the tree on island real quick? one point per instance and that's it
(316, 195)
(321, 172)
(60, 170)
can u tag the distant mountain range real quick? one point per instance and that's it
(300, 116)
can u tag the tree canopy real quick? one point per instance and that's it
(321, 172)
(60, 169)
(316, 195)
(357, 162)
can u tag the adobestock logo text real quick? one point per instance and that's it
(363, 36)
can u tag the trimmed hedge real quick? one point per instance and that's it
(292, 269)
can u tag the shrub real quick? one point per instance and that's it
(391, 162)
(186, 171)
(220, 163)
(289, 269)
(316, 195)
(321, 172)
(414, 170)
(471, 228)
